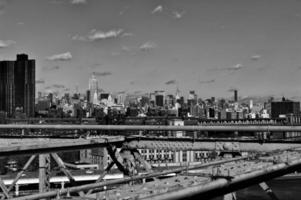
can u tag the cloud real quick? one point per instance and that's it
(123, 11)
(127, 34)
(158, 9)
(255, 57)
(102, 73)
(95, 35)
(58, 86)
(6, 43)
(207, 81)
(60, 57)
(148, 46)
(170, 82)
(177, 14)
(235, 67)
(78, 2)
(232, 68)
(40, 81)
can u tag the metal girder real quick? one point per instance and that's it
(177, 144)
(129, 162)
(44, 172)
(258, 128)
(4, 189)
(138, 157)
(126, 160)
(102, 176)
(115, 156)
(63, 168)
(223, 186)
(125, 180)
(33, 146)
(19, 175)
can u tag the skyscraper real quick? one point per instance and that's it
(159, 98)
(93, 87)
(284, 107)
(88, 96)
(17, 85)
(235, 96)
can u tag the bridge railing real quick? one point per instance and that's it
(258, 128)
(195, 131)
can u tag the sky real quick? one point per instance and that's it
(210, 46)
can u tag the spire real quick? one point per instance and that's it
(178, 93)
(95, 98)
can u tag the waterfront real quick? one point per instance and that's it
(288, 189)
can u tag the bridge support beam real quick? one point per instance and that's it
(139, 158)
(19, 175)
(268, 190)
(17, 190)
(63, 168)
(4, 189)
(232, 195)
(44, 172)
(102, 176)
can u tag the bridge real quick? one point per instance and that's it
(242, 161)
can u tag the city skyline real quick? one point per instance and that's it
(207, 46)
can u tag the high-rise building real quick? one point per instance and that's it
(192, 95)
(192, 98)
(50, 98)
(93, 86)
(170, 100)
(88, 96)
(120, 98)
(284, 107)
(159, 98)
(152, 97)
(235, 96)
(17, 85)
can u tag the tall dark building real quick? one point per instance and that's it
(50, 98)
(104, 95)
(160, 100)
(88, 94)
(235, 96)
(284, 107)
(17, 85)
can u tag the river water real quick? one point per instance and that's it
(286, 189)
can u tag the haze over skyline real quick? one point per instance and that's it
(209, 46)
